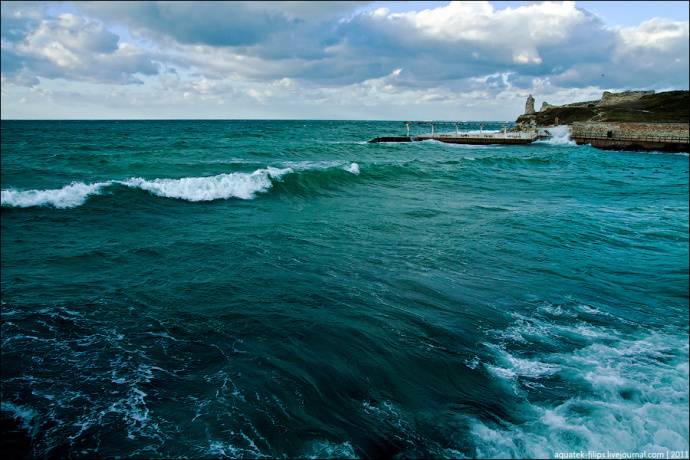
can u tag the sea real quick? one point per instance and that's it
(286, 289)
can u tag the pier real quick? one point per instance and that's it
(482, 138)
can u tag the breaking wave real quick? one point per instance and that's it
(223, 186)
(243, 186)
(69, 196)
(559, 135)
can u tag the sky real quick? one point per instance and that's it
(331, 60)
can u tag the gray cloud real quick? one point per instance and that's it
(320, 42)
(19, 18)
(231, 24)
(266, 51)
(69, 47)
(15, 69)
(431, 58)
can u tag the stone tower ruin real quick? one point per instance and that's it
(529, 106)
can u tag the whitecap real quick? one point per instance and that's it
(353, 168)
(25, 416)
(223, 186)
(327, 449)
(636, 398)
(511, 367)
(70, 196)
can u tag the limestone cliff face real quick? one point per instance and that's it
(619, 98)
(629, 106)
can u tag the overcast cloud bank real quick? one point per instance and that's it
(321, 60)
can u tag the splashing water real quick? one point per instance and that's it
(559, 135)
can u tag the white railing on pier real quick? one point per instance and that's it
(457, 124)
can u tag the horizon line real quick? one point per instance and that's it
(252, 119)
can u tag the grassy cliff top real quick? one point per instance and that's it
(668, 107)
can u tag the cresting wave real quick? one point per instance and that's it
(223, 186)
(633, 389)
(69, 196)
(244, 186)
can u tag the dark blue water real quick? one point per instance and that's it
(209, 289)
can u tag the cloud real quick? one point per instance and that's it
(72, 48)
(657, 50)
(466, 39)
(333, 53)
(652, 55)
(17, 18)
(222, 24)
(193, 23)
(656, 34)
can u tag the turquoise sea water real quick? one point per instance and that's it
(281, 289)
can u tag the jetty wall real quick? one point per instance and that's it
(674, 137)
(622, 129)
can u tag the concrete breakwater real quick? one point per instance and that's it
(665, 137)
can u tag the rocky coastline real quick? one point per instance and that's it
(631, 120)
(628, 106)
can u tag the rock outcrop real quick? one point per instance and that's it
(619, 98)
(529, 106)
(629, 106)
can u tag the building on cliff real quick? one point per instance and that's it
(631, 120)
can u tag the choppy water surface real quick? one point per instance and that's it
(251, 289)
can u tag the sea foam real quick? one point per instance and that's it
(240, 185)
(353, 168)
(634, 397)
(234, 185)
(26, 417)
(559, 135)
(69, 196)
(223, 186)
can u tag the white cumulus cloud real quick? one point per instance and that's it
(338, 54)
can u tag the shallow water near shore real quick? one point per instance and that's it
(283, 289)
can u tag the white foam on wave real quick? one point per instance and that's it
(538, 331)
(554, 310)
(353, 168)
(327, 449)
(26, 417)
(511, 367)
(132, 405)
(219, 449)
(633, 397)
(321, 165)
(559, 135)
(70, 196)
(223, 186)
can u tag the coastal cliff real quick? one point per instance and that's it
(629, 106)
